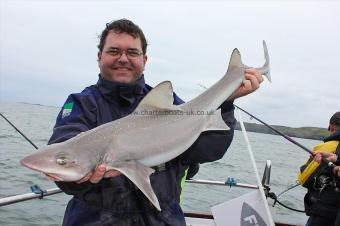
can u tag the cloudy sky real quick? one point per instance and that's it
(48, 50)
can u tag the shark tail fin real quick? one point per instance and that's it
(265, 68)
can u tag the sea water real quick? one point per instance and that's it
(37, 122)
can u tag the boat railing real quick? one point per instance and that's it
(37, 192)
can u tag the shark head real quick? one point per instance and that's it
(59, 163)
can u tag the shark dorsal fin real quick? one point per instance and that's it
(160, 97)
(235, 60)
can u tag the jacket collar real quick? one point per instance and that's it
(334, 136)
(125, 93)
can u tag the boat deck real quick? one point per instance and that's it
(191, 221)
(206, 219)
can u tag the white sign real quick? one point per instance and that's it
(246, 210)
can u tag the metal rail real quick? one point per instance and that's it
(31, 195)
(28, 196)
(222, 183)
(231, 183)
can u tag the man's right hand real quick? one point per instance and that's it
(98, 174)
(329, 156)
(94, 176)
(332, 157)
(337, 171)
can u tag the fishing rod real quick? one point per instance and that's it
(278, 132)
(19, 131)
(329, 163)
(36, 191)
(289, 188)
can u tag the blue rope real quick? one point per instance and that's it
(230, 181)
(37, 190)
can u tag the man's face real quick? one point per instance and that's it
(121, 68)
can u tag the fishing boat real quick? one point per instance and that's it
(193, 218)
(207, 219)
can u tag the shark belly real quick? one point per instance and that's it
(160, 141)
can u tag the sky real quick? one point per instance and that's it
(48, 49)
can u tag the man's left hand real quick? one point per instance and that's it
(252, 81)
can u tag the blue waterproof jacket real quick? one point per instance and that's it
(117, 201)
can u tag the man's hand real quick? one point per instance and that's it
(332, 157)
(252, 81)
(94, 176)
(337, 170)
(98, 174)
(329, 156)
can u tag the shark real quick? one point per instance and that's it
(154, 133)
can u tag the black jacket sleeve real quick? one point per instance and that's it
(212, 145)
(76, 116)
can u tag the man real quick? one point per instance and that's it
(322, 201)
(107, 197)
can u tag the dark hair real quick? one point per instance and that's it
(123, 26)
(335, 119)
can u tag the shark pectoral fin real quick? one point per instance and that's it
(140, 176)
(160, 97)
(216, 122)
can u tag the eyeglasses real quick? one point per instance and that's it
(130, 53)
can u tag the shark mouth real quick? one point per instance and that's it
(53, 176)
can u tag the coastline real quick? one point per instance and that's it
(313, 133)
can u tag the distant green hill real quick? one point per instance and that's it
(314, 133)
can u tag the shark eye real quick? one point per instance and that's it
(62, 160)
